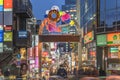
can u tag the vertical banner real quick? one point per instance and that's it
(7, 23)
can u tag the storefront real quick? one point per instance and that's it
(110, 46)
(89, 51)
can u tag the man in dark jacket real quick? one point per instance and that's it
(62, 72)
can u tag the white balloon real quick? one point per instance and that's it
(55, 8)
(47, 11)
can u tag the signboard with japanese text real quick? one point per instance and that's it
(89, 37)
(101, 40)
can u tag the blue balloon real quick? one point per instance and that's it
(67, 21)
(45, 16)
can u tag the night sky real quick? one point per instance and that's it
(40, 7)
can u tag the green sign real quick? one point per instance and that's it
(101, 40)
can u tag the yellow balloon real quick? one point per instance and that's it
(72, 23)
(60, 13)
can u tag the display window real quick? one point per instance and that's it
(114, 52)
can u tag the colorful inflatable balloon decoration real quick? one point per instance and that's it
(52, 17)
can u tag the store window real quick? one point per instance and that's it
(114, 52)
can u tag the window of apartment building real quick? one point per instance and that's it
(110, 18)
(109, 3)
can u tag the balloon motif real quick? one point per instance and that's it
(72, 23)
(52, 17)
(66, 18)
(55, 8)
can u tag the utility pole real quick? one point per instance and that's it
(79, 32)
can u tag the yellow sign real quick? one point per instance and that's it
(1, 2)
(8, 36)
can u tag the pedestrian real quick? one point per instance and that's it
(102, 72)
(7, 73)
(1, 75)
(62, 72)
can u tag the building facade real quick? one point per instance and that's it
(13, 25)
(100, 21)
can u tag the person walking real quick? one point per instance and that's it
(62, 72)
(1, 75)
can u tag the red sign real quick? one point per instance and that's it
(8, 28)
(8, 4)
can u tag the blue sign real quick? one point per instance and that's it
(1, 35)
(18, 56)
(1, 8)
(22, 34)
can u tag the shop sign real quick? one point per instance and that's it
(101, 40)
(1, 2)
(8, 36)
(1, 35)
(1, 8)
(89, 37)
(8, 28)
(22, 34)
(113, 39)
(8, 5)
